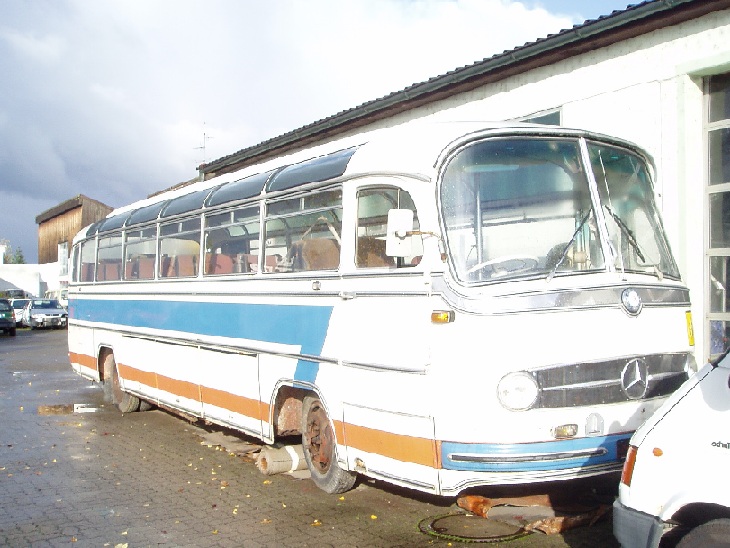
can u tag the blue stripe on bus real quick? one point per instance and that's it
(545, 453)
(303, 326)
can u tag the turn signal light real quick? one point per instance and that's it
(628, 470)
(565, 431)
(442, 316)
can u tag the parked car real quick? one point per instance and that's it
(45, 313)
(7, 317)
(18, 306)
(675, 465)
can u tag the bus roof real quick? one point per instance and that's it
(413, 148)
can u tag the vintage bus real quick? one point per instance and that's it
(440, 306)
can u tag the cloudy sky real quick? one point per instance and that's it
(112, 98)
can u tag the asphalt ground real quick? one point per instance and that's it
(76, 472)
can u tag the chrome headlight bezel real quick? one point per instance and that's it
(518, 391)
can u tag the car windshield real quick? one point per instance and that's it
(523, 207)
(46, 303)
(5, 306)
(20, 303)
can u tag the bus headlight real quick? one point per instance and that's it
(517, 391)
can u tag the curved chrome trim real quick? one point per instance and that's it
(559, 300)
(527, 457)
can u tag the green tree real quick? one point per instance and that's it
(18, 256)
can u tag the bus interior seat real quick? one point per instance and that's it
(219, 264)
(187, 265)
(371, 252)
(271, 262)
(166, 267)
(131, 270)
(112, 271)
(146, 268)
(315, 254)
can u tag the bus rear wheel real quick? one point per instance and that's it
(320, 453)
(125, 402)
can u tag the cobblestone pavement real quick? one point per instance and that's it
(80, 478)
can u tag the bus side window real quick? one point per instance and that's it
(231, 242)
(303, 233)
(88, 261)
(179, 248)
(373, 205)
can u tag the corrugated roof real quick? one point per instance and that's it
(621, 25)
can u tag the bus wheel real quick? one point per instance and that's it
(127, 403)
(318, 443)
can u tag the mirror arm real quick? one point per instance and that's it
(426, 233)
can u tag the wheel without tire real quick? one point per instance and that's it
(126, 402)
(320, 452)
(713, 534)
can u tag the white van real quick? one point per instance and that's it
(676, 471)
(61, 295)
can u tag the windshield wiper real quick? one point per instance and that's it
(634, 243)
(629, 234)
(568, 245)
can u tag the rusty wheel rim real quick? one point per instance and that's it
(319, 438)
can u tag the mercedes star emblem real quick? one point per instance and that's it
(635, 379)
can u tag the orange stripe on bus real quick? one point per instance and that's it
(184, 389)
(396, 446)
(83, 360)
(235, 403)
(131, 374)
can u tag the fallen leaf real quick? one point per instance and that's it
(267, 482)
(265, 521)
(373, 516)
(316, 523)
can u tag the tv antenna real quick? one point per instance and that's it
(206, 138)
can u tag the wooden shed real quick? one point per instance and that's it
(58, 225)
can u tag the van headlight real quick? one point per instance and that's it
(517, 391)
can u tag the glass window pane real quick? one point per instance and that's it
(307, 235)
(720, 220)
(719, 153)
(632, 217)
(232, 242)
(519, 207)
(372, 212)
(719, 335)
(720, 97)
(719, 269)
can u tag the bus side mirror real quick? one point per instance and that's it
(398, 233)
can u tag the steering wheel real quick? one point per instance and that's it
(526, 263)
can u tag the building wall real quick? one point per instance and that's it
(64, 226)
(52, 232)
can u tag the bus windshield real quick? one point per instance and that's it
(522, 207)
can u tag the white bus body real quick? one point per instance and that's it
(521, 324)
